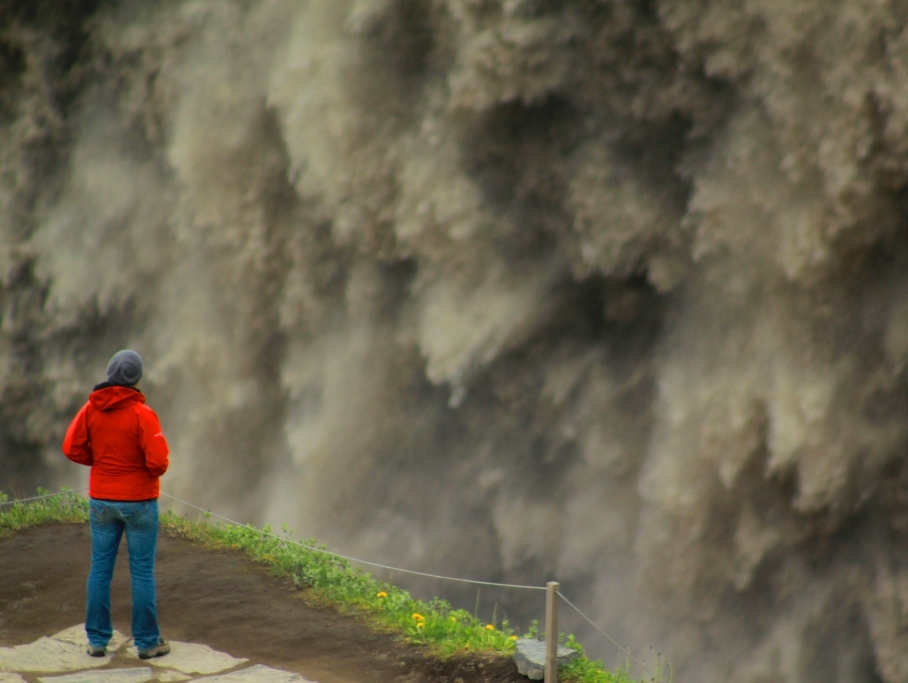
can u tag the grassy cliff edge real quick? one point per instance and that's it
(435, 625)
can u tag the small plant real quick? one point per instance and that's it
(571, 642)
(533, 631)
(583, 670)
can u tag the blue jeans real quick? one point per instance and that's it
(109, 520)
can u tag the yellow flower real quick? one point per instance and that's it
(489, 627)
(381, 594)
(453, 620)
(419, 626)
(513, 637)
(418, 617)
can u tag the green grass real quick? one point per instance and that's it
(435, 625)
(69, 508)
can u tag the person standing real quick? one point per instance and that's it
(120, 438)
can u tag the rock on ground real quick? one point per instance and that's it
(192, 658)
(256, 674)
(140, 675)
(530, 657)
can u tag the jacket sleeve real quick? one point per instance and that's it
(76, 445)
(154, 445)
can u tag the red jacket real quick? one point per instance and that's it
(120, 438)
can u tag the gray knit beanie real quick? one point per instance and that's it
(125, 368)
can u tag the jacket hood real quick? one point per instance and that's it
(112, 397)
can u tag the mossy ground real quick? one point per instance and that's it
(435, 625)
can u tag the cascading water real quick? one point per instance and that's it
(613, 291)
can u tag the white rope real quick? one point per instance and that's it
(612, 640)
(49, 495)
(353, 559)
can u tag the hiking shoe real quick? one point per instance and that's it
(96, 651)
(159, 650)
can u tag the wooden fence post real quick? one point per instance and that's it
(551, 632)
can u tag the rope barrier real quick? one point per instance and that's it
(366, 562)
(432, 576)
(371, 564)
(48, 495)
(612, 640)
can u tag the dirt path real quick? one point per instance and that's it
(218, 598)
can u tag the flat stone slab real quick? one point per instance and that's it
(530, 657)
(76, 635)
(191, 658)
(48, 655)
(256, 674)
(140, 675)
(64, 652)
